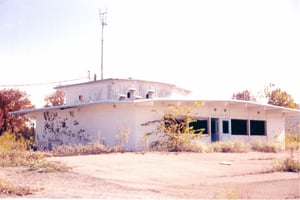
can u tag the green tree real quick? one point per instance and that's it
(174, 129)
(14, 100)
(57, 98)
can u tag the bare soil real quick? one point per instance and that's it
(162, 175)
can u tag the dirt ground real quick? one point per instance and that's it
(162, 176)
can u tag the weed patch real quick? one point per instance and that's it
(89, 149)
(8, 189)
(13, 153)
(235, 193)
(287, 165)
(229, 147)
(262, 146)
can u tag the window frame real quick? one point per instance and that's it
(202, 120)
(258, 126)
(241, 130)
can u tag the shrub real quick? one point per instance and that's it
(263, 146)
(13, 153)
(174, 130)
(288, 165)
(89, 149)
(43, 166)
(9, 141)
(195, 146)
(292, 142)
(228, 147)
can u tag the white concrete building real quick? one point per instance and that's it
(100, 110)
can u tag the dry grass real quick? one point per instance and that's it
(287, 165)
(225, 147)
(8, 189)
(229, 147)
(235, 193)
(89, 149)
(262, 146)
(13, 153)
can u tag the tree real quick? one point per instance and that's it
(57, 98)
(174, 129)
(14, 100)
(279, 97)
(245, 95)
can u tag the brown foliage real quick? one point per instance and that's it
(279, 97)
(57, 98)
(244, 95)
(13, 100)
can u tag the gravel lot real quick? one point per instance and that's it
(163, 175)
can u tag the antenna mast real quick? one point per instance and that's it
(103, 18)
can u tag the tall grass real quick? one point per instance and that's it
(8, 189)
(89, 149)
(229, 147)
(13, 153)
(262, 146)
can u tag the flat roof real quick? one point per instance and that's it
(288, 111)
(118, 79)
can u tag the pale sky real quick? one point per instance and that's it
(213, 47)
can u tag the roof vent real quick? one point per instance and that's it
(122, 97)
(149, 95)
(130, 94)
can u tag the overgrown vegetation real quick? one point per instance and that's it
(291, 164)
(89, 149)
(263, 146)
(235, 193)
(173, 130)
(287, 165)
(94, 148)
(14, 152)
(229, 147)
(8, 189)
(292, 143)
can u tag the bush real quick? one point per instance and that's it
(195, 146)
(9, 141)
(174, 129)
(262, 146)
(228, 147)
(288, 165)
(89, 149)
(292, 142)
(13, 152)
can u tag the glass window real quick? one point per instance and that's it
(200, 125)
(257, 127)
(238, 127)
(225, 126)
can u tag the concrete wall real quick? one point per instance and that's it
(112, 89)
(274, 121)
(292, 125)
(106, 121)
(82, 125)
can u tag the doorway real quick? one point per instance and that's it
(214, 129)
(225, 129)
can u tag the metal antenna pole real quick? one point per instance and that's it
(103, 23)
